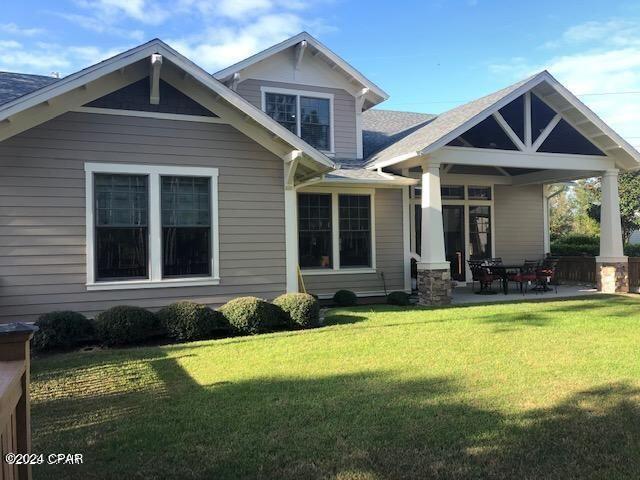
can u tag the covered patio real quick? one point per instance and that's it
(486, 171)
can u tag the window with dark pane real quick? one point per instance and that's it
(480, 232)
(479, 193)
(283, 109)
(314, 230)
(541, 115)
(355, 230)
(121, 226)
(513, 113)
(452, 192)
(186, 226)
(314, 122)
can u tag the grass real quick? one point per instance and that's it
(526, 390)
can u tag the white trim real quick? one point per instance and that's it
(527, 121)
(159, 115)
(545, 133)
(349, 71)
(291, 232)
(153, 172)
(509, 131)
(304, 93)
(335, 192)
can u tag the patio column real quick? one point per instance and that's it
(434, 276)
(612, 273)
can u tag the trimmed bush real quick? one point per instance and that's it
(250, 315)
(345, 298)
(63, 329)
(126, 325)
(578, 239)
(632, 249)
(186, 321)
(301, 309)
(402, 299)
(574, 250)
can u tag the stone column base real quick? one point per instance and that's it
(612, 276)
(434, 286)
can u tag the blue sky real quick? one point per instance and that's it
(428, 55)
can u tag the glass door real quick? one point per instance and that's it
(479, 232)
(453, 220)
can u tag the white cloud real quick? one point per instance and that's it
(220, 47)
(100, 26)
(13, 29)
(144, 11)
(604, 57)
(45, 58)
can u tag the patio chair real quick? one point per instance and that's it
(481, 274)
(526, 276)
(494, 261)
(546, 274)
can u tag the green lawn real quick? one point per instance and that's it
(526, 390)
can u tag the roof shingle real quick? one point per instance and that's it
(15, 85)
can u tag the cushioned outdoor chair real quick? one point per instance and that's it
(526, 276)
(480, 273)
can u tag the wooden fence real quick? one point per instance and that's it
(583, 270)
(576, 269)
(15, 415)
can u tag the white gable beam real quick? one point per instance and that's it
(509, 131)
(300, 49)
(527, 120)
(508, 158)
(545, 133)
(154, 79)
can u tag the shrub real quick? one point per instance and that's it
(301, 309)
(249, 315)
(125, 325)
(345, 298)
(578, 239)
(632, 249)
(191, 321)
(399, 298)
(62, 330)
(567, 249)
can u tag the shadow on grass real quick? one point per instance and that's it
(351, 426)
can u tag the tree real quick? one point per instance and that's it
(561, 215)
(629, 191)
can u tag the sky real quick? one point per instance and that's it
(428, 55)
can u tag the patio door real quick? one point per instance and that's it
(480, 232)
(453, 220)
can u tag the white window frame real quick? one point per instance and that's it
(335, 230)
(466, 203)
(304, 93)
(153, 172)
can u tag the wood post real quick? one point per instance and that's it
(15, 408)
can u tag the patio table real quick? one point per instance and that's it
(503, 271)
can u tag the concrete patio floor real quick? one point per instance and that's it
(465, 294)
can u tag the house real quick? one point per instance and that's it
(144, 179)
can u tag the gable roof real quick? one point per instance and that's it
(381, 128)
(156, 46)
(374, 94)
(14, 85)
(456, 121)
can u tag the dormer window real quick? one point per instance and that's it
(307, 114)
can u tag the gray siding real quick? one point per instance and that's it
(343, 104)
(42, 210)
(519, 222)
(389, 253)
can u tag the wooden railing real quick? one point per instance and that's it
(634, 274)
(15, 414)
(576, 269)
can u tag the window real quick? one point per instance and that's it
(151, 226)
(355, 230)
(479, 193)
(314, 230)
(336, 232)
(480, 232)
(121, 228)
(308, 115)
(186, 226)
(314, 122)
(452, 192)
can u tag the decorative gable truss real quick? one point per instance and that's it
(527, 124)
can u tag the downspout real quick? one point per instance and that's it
(546, 196)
